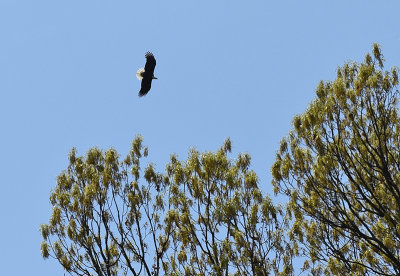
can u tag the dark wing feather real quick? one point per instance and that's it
(145, 87)
(150, 64)
(148, 74)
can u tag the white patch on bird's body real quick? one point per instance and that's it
(139, 74)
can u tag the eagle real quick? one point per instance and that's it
(146, 74)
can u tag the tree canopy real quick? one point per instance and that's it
(203, 216)
(340, 168)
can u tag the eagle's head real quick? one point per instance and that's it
(140, 73)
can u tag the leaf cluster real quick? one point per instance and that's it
(203, 216)
(340, 167)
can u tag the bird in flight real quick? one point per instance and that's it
(146, 74)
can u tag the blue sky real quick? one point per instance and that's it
(238, 69)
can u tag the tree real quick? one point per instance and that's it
(340, 168)
(205, 216)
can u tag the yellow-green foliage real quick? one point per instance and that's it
(340, 168)
(204, 216)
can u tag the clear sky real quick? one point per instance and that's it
(238, 69)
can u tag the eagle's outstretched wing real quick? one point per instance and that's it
(148, 74)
